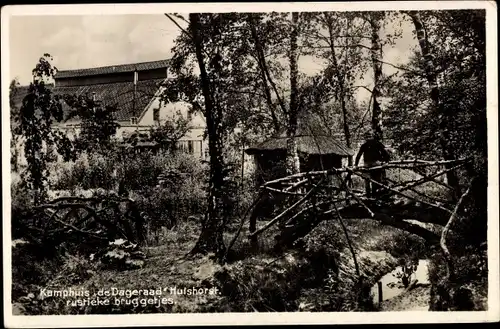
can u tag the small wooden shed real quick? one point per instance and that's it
(316, 152)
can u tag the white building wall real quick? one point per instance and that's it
(170, 111)
(192, 142)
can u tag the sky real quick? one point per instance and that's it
(78, 41)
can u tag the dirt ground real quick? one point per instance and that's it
(166, 266)
(416, 299)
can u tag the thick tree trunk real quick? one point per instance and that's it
(376, 54)
(210, 239)
(446, 146)
(292, 156)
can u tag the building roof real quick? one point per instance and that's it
(112, 69)
(309, 144)
(120, 94)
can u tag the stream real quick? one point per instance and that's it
(391, 285)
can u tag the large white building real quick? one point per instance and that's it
(134, 89)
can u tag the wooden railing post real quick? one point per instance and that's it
(380, 297)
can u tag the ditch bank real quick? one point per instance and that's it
(389, 294)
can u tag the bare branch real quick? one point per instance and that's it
(446, 229)
(79, 230)
(399, 193)
(286, 211)
(349, 243)
(364, 87)
(242, 221)
(401, 68)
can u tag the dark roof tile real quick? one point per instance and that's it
(120, 94)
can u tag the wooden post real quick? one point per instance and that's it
(380, 297)
(242, 165)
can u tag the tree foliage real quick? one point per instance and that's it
(417, 125)
(414, 123)
(97, 124)
(39, 109)
(168, 132)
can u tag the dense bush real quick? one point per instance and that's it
(139, 171)
(181, 194)
(21, 204)
(404, 246)
(167, 206)
(89, 171)
(135, 171)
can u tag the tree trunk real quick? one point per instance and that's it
(376, 54)
(347, 132)
(15, 156)
(292, 156)
(446, 146)
(341, 82)
(261, 61)
(210, 239)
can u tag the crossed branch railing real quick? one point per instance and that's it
(92, 217)
(314, 191)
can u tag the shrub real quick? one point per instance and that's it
(181, 195)
(34, 268)
(138, 171)
(89, 171)
(257, 287)
(406, 245)
(134, 171)
(21, 204)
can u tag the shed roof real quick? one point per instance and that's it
(309, 144)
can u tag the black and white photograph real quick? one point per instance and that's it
(329, 162)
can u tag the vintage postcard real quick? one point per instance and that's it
(250, 163)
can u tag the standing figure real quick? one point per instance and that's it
(374, 154)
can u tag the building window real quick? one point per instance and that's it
(186, 146)
(156, 114)
(181, 146)
(133, 120)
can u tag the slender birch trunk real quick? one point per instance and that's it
(293, 162)
(376, 54)
(341, 82)
(261, 61)
(444, 138)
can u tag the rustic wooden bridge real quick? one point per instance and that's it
(311, 197)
